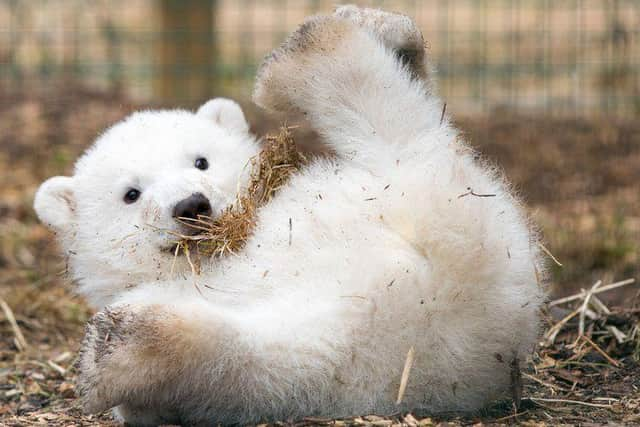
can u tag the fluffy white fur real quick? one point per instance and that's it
(355, 261)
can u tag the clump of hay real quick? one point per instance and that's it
(227, 233)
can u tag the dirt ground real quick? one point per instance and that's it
(579, 178)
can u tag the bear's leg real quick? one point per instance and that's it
(193, 362)
(397, 33)
(360, 78)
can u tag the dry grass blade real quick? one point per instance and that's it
(599, 290)
(604, 354)
(570, 401)
(552, 332)
(599, 305)
(585, 306)
(20, 342)
(405, 374)
(59, 369)
(552, 387)
(195, 268)
(270, 170)
(508, 417)
(548, 252)
(620, 336)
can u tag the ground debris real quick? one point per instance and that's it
(582, 367)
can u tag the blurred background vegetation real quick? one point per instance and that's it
(562, 56)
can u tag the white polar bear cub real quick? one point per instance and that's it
(116, 215)
(387, 247)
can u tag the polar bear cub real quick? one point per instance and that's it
(402, 242)
(116, 216)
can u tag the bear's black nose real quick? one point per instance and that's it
(192, 207)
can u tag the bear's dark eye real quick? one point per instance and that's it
(131, 196)
(201, 163)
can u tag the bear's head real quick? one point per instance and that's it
(117, 217)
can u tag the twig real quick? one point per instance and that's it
(317, 420)
(511, 416)
(608, 399)
(585, 304)
(551, 334)
(548, 252)
(444, 110)
(175, 258)
(604, 354)
(404, 379)
(473, 193)
(600, 290)
(63, 357)
(599, 306)
(617, 333)
(553, 387)
(195, 224)
(59, 369)
(537, 273)
(575, 402)
(194, 271)
(20, 342)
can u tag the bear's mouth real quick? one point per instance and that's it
(179, 238)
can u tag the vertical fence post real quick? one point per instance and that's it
(185, 52)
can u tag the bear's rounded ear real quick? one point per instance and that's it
(226, 113)
(55, 203)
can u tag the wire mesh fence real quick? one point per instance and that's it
(574, 57)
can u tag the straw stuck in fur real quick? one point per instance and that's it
(228, 232)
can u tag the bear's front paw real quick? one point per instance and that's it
(133, 355)
(106, 336)
(396, 31)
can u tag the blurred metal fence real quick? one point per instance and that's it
(575, 57)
